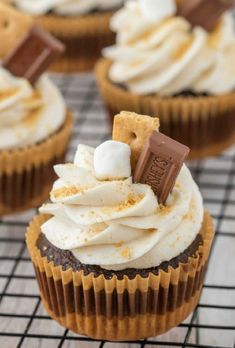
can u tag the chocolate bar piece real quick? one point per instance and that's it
(32, 56)
(159, 164)
(205, 13)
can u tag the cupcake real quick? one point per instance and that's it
(114, 261)
(163, 65)
(34, 130)
(82, 25)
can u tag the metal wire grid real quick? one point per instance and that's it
(23, 321)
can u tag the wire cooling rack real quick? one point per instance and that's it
(23, 321)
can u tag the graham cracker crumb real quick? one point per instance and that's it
(177, 185)
(130, 201)
(67, 191)
(119, 244)
(7, 93)
(126, 253)
(34, 101)
(189, 216)
(182, 49)
(31, 120)
(164, 209)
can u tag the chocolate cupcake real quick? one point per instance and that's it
(83, 26)
(164, 65)
(35, 125)
(113, 260)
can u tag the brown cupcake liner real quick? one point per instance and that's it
(84, 37)
(205, 123)
(114, 309)
(26, 175)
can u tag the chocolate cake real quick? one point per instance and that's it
(66, 259)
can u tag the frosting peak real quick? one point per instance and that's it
(118, 224)
(65, 7)
(28, 115)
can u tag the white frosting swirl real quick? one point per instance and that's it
(65, 7)
(28, 115)
(118, 224)
(165, 55)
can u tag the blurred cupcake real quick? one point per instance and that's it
(82, 25)
(163, 65)
(111, 261)
(34, 132)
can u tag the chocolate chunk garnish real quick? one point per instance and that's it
(205, 13)
(33, 55)
(159, 164)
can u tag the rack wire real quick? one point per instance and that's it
(23, 321)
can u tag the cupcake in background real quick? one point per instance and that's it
(162, 64)
(82, 25)
(120, 252)
(13, 26)
(34, 123)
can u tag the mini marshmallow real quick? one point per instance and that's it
(112, 161)
(156, 10)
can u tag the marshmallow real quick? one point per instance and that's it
(158, 10)
(112, 161)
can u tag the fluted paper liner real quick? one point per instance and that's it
(205, 123)
(26, 175)
(84, 37)
(126, 309)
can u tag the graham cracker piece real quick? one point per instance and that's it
(13, 26)
(134, 129)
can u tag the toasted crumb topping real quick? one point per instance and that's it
(119, 245)
(126, 253)
(34, 101)
(96, 229)
(182, 49)
(7, 93)
(178, 186)
(189, 216)
(163, 209)
(215, 36)
(67, 191)
(32, 117)
(129, 202)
